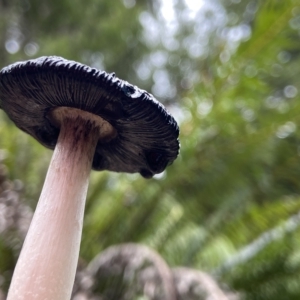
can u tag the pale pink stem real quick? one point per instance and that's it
(47, 264)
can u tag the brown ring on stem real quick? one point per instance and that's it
(47, 264)
(106, 131)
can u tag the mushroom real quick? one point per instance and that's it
(91, 119)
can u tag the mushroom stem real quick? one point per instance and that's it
(47, 264)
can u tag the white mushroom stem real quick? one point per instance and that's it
(47, 264)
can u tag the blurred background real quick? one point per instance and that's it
(224, 218)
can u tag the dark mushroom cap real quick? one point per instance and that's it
(147, 135)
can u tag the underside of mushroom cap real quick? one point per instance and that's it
(147, 135)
